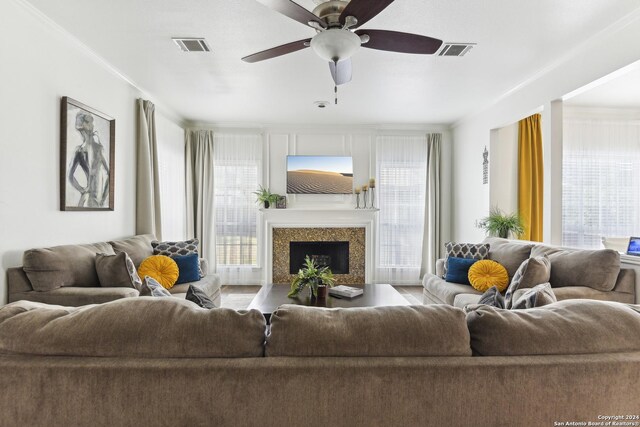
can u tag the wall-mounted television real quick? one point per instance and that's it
(319, 175)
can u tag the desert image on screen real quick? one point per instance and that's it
(319, 175)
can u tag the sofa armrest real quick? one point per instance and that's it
(17, 281)
(440, 267)
(204, 266)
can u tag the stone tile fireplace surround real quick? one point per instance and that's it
(282, 226)
(283, 236)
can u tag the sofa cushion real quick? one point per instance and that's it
(463, 300)
(117, 271)
(430, 330)
(140, 327)
(137, 247)
(492, 297)
(445, 292)
(537, 296)
(578, 292)
(199, 297)
(597, 269)
(67, 265)
(188, 268)
(510, 254)
(74, 296)
(178, 248)
(162, 268)
(531, 272)
(465, 250)
(564, 327)
(153, 288)
(458, 270)
(487, 273)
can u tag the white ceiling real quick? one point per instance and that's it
(516, 39)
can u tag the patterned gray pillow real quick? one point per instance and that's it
(117, 271)
(537, 296)
(531, 272)
(465, 250)
(179, 248)
(492, 297)
(153, 288)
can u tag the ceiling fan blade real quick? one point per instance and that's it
(363, 10)
(341, 72)
(293, 11)
(394, 41)
(278, 51)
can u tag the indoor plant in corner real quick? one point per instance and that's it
(266, 197)
(501, 225)
(317, 279)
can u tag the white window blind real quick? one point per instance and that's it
(401, 185)
(237, 173)
(600, 180)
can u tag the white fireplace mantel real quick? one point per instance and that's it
(312, 217)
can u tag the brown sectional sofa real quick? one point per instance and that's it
(166, 362)
(66, 275)
(575, 274)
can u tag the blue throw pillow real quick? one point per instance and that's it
(187, 267)
(458, 270)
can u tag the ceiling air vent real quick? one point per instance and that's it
(191, 44)
(455, 49)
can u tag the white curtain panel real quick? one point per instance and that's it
(600, 180)
(199, 179)
(148, 206)
(237, 169)
(401, 170)
(432, 242)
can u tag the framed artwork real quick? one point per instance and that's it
(87, 157)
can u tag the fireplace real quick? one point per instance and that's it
(334, 255)
(340, 248)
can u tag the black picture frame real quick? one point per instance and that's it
(281, 202)
(87, 158)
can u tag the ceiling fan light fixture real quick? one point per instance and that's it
(335, 44)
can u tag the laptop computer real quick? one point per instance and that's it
(634, 246)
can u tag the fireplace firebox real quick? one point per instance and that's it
(334, 255)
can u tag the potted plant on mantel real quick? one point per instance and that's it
(317, 279)
(501, 225)
(265, 197)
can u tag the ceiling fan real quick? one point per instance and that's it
(337, 38)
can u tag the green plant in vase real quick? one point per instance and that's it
(264, 196)
(311, 276)
(501, 225)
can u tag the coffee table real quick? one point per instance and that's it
(272, 296)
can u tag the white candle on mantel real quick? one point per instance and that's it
(372, 183)
(365, 188)
(357, 190)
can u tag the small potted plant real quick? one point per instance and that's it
(266, 197)
(317, 279)
(500, 224)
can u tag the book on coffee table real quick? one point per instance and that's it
(345, 291)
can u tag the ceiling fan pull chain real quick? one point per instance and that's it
(335, 91)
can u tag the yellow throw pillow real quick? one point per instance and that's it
(486, 273)
(160, 267)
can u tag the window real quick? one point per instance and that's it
(600, 180)
(237, 173)
(401, 186)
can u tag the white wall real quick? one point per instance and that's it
(503, 169)
(39, 63)
(600, 55)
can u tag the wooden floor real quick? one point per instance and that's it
(239, 297)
